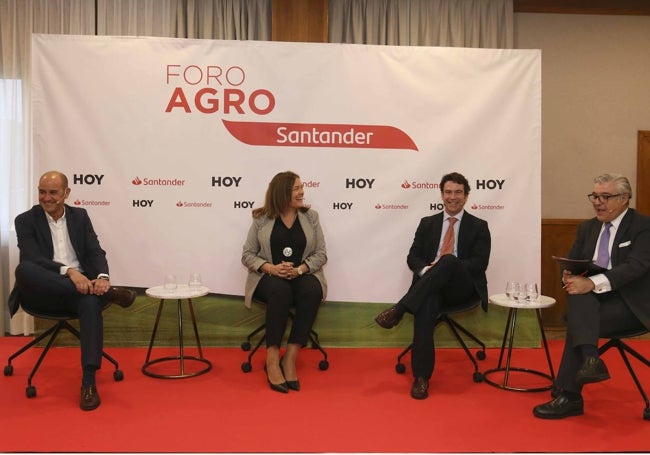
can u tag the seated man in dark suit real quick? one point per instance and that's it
(63, 266)
(616, 301)
(448, 257)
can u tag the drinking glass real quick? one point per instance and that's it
(532, 292)
(195, 281)
(170, 282)
(512, 290)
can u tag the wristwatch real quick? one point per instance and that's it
(299, 270)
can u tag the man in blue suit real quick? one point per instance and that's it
(63, 268)
(448, 257)
(615, 301)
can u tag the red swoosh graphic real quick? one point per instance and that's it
(320, 135)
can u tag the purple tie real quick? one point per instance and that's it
(603, 247)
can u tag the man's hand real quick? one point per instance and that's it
(101, 286)
(578, 284)
(80, 281)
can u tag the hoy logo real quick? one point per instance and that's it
(226, 181)
(439, 206)
(87, 179)
(243, 204)
(489, 184)
(142, 202)
(342, 205)
(359, 184)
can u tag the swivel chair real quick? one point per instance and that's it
(616, 341)
(456, 328)
(246, 345)
(62, 323)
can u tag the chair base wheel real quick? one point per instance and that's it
(9, 370)
(480, 355)
(400, 368)
(246, 367)
(477, 376)
(323, 365)
(245, 346)
(646, 414)
(118, 375)
(30, 391)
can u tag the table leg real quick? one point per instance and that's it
(155, 329)
(196, 330)
(548, 356)
(181, 348)
(513, 324)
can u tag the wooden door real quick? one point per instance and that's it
(643, 173)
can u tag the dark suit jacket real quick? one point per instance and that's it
(630, 255)
(474, 244)
(35, 243)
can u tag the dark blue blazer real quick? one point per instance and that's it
(35, 243)
(630, 255)
(474, 244)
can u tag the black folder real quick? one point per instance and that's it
(579, 266)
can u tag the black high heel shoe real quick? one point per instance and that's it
(282, 387)
(293, 385)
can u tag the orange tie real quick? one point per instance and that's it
(448, 241)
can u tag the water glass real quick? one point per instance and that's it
(195, 281)
(512, 290)
(170, 282)
(532, 292)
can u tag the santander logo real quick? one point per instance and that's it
(136, 181)
(406, 185)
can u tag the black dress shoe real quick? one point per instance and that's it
(420, 389)
(120, 296)
(282, 387)
(559, 408)
(293, 385)
(592, 370)
(89, 398)
(390, 318)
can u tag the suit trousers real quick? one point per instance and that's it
(445, 284)
(303, 292)
(47, 292)
(590, 317)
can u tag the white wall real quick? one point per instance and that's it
(595, 97)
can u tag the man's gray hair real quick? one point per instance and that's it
(621, 182)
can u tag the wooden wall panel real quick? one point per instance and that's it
(300, 21)
(642, 193)
(557, 238)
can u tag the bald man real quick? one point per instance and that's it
(62, 266)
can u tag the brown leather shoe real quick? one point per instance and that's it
(420, 389)
(89, 398)
(390, 318)
(120, 296)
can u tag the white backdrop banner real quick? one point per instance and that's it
(170, 143)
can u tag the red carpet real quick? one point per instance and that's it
(359, 405)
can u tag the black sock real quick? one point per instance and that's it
(571, 396)
(88, 375)
(588, 350)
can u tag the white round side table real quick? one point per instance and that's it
(509, 334)
(182, 292)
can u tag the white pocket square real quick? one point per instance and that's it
(624, 244)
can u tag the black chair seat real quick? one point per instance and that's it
(616, 341)
(456, 329)
(247, 366)
(62, 322)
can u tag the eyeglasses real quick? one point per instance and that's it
(602, 198)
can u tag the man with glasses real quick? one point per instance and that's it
(448, 257)
(614, 301)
